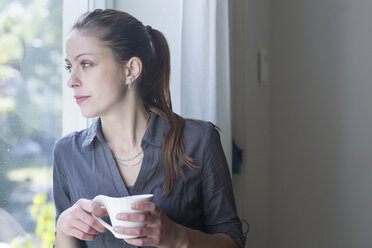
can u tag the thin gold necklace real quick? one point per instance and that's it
(129, 159)
(129, 165)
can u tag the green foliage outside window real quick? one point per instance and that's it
(44, 214)
(30, 106)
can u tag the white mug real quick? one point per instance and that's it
(116, 205)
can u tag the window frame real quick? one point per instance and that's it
(72, 120)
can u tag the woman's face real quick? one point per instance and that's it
(97, 79)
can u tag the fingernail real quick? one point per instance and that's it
(121, 216)
(135, 205)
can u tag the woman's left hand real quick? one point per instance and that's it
(159, 230)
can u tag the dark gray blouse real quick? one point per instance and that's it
(84, 167)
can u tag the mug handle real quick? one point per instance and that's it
(100, 200)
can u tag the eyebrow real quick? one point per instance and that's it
(80, 56)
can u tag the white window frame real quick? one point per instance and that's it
(72, 119)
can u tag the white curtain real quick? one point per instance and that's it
(205, 67)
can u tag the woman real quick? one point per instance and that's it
(119, 72)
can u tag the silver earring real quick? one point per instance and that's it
(130, 83)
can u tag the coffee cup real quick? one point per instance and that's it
(116, 205)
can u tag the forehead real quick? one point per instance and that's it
(79, 42)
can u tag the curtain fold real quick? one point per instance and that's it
(205, 65)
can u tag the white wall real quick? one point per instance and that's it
(250, 115)
(321, 103)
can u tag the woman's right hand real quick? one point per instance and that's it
(77, 221)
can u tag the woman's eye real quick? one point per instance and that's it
(68, 68)
(86, 64)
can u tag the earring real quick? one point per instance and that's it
(130, 83)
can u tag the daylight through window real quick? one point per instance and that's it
(30, 118)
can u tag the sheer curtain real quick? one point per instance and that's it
(205, 73)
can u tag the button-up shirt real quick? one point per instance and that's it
(84, 167)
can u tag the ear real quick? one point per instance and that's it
(133, 69)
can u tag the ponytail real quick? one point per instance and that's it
(159, 101)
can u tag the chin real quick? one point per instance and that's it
(87, 114)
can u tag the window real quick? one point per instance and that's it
(30, 118)
(33, 97)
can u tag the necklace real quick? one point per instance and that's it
(129, 159)
(128, 165)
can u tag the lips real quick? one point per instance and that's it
(80, 99)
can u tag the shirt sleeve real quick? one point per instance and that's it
(219, 209)
(61, 194)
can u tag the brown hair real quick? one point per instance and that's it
(127, 37)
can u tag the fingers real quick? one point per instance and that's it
(75, 232)
(71, 226)
(77, 221)
(86, 223)
(158, 229)
(83, 227)
(92, 207)
(146, 206)
(135, 217)
(138, 231)
(150, 217)
(89, 221)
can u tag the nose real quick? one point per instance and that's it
(74, 80)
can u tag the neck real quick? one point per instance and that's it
(123, 129)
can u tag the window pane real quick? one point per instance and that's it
(30, 118)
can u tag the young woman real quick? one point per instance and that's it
(119, 72)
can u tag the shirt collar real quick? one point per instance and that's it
(93, 131)
(155, 130)
(154, 133)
